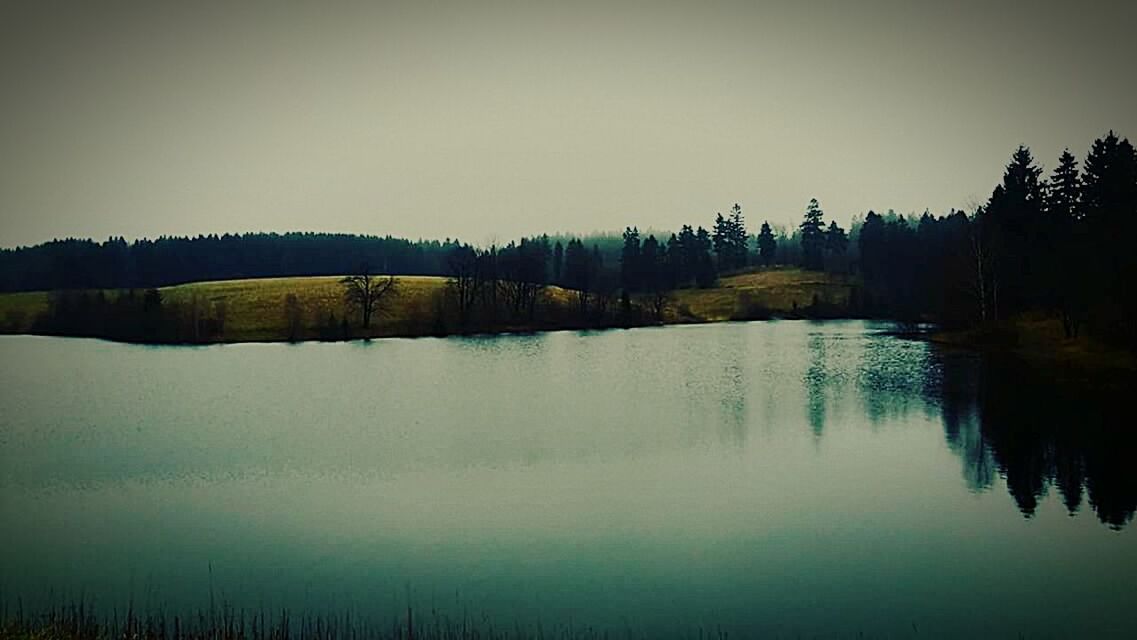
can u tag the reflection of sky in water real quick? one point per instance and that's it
(783, 477)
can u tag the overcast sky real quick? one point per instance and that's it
(489, 120)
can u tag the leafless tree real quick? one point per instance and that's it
(984, 273)
(365, 292)
(466, 279)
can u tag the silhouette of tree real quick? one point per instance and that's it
(812, 231)
(767, 245)
(364, 292)
(581, 272)
(630, 261)
(1065, 252)
(652, 260)
(704, 266)
(730, 240)
(558, 261)
(836, 243)
(1013, 219)
(465, 279)
(1109, 197)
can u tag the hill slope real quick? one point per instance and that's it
(254, 309)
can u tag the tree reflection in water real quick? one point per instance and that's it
(1004, 418)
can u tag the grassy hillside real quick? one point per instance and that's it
(761, 294)
(254, 309)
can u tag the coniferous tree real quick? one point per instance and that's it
(653, 276)
(704, 268)
(767, 245)
(630, 260)
(870, 243)
(1013, 219)
(1065, 252)
(836, 242)
(673, 264)
(1109, 200)
(558, 261)
(738, 240)
(1064, 191)
(812, 231)
(721, 240)
(580, 273)
(689, 260)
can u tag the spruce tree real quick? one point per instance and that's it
(813, 236)
(703, 266)
(629, 260)
(1064, 191)
(767, 245)
(558, 261)
(720, 239)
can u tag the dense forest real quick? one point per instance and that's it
(1057, 244)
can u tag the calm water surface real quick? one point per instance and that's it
(783, 478)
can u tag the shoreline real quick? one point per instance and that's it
(487, 333)
(1038, 343)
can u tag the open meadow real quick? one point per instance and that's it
(254, 310)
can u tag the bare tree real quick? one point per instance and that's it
(985, 271)
(364, 292)
(464, 265)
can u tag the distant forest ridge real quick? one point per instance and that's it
(116, 263)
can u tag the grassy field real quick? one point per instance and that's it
(254, 309)
(760, 294)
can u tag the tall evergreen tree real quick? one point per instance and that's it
(720, 238)
(630, 260)
(1064, 191)
(870, 244)
(812, 230)
(836, 242)
(738, 240)
(704, 268)
(1109, 197)
(1013, 219)
(558, 261)
(673, 265)
(689, 261)
(767, 245)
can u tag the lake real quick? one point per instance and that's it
(784, 478)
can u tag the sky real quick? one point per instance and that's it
(489, 120)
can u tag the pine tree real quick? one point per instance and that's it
(689, 261)
(1064, 191)
(673, 265)
(721, 239)
(1109, 200)
(739, 251)
(558, 261)
(767, 245)
(1013, 220)
(813, 236)
(629, 260)
(650, 264)
(836, 242)
(704, 268)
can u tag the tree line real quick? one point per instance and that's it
(118, 264)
